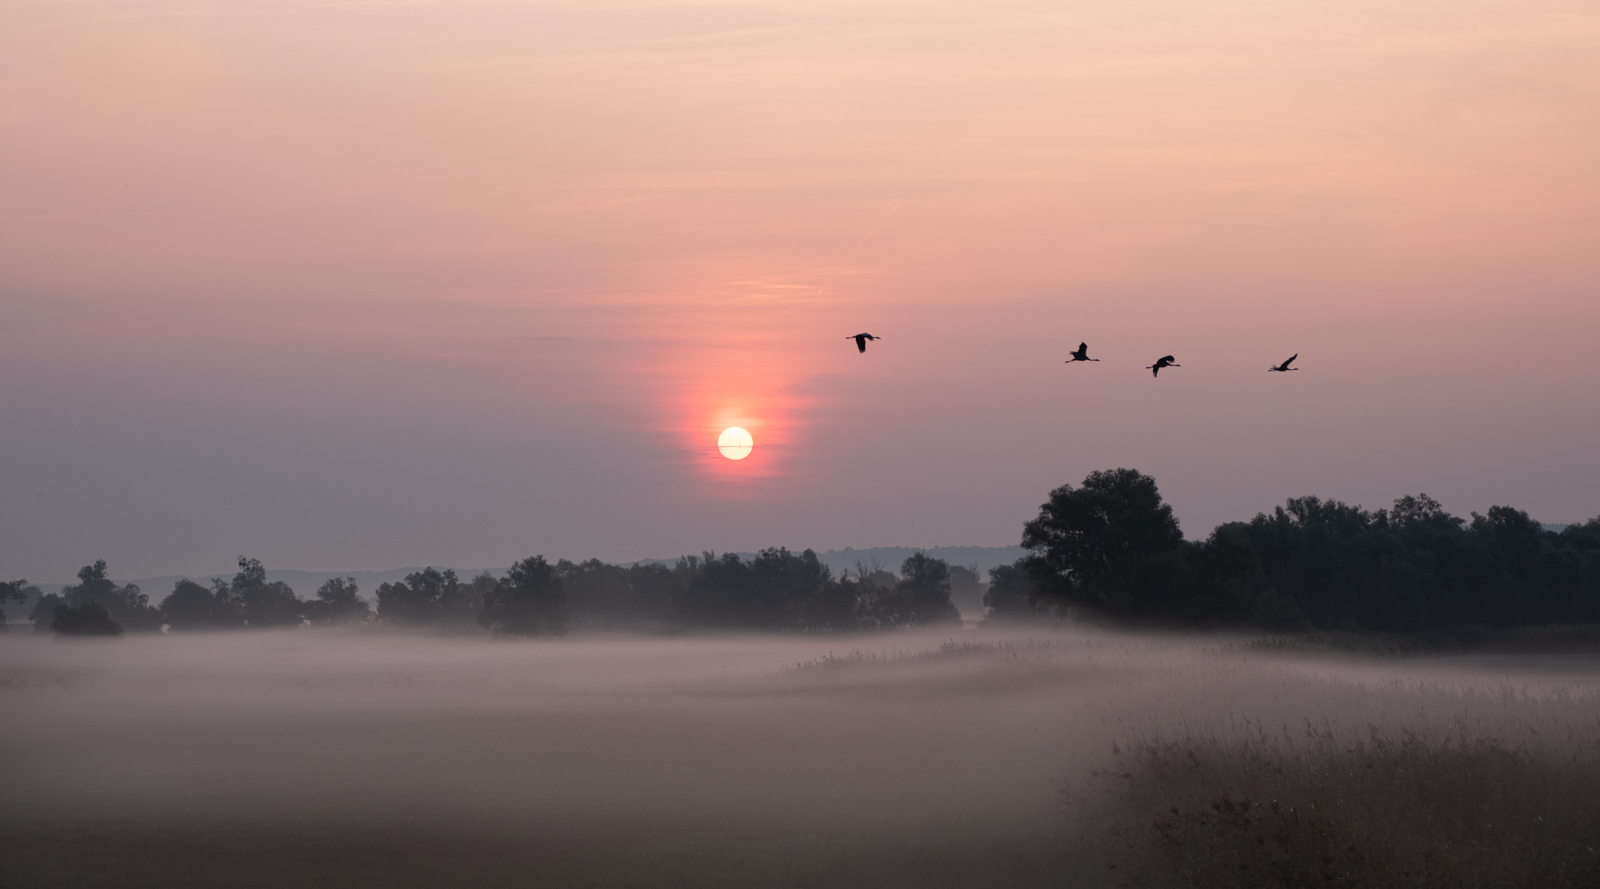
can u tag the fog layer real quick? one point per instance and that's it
(782, 749)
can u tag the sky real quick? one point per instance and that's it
(355, 285)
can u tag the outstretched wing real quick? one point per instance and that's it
(1083, 347)
(1291, 360)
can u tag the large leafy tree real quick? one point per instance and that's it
(922, 596)
(125, 606)
(191, 606)
(18, 590)
(264, 603)
(528, 601)
(1111, 545)
(337, 602)
(431, 597)
(1010, 592)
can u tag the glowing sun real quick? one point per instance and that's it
(735, 443)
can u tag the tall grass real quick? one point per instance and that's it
(1393, 809)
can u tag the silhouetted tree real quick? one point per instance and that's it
(125, 605)
(720, 592)
(1230, 586)
(603, 596)
(1584, 541)
(1325, 564)
(44, 611)
(1010, 593)
(528, 601)
(654, 587)
(17, 590)
(1514, 543)
(777, 590)
(431, 597)
(264, 604)
(87, 619)
(337, 602)
(921, 597)
(463, 612)
(812, 601)
(1111, 545)
(191, 606)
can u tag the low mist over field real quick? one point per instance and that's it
(953, 758)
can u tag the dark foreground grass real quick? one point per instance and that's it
(1386, 811)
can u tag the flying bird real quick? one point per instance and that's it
(1081, 355)
(861, 340)
(1284, 367)
(1155, 369)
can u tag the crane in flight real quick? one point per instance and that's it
(1284, 367)
(1081, 355)
(861, 340)
(1155, 369)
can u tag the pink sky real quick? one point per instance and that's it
(366, 284)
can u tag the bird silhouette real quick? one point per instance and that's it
(1155, 369)
(1081, 355)
(1284, 367)
(861, 340)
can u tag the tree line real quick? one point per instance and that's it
(1112, 548)
(776, 590)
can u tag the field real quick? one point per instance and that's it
(975, 758)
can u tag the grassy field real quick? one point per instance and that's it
(992, 757)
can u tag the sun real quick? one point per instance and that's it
(735, 443)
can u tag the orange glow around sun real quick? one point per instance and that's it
(735, 413)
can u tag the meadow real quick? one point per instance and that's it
(1029, 756)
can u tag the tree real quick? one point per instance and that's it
(464, 610)
(1514, 544)
(125, 605)
(18, 590)
(921, 597)
(654, 587)
(44, 611)
(603, 596)
(431, 597)
(87, 619)
(776, 591)
(1111, 545)
(1232, 588)
(264, 604)
(191, 606)
(529, 601)
(337, 602)
(815, 602)
(1010, 593)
